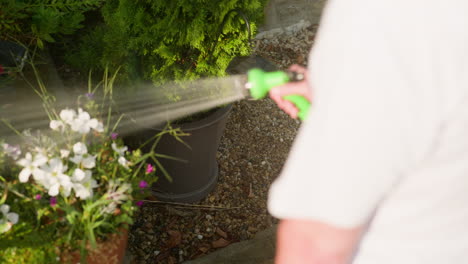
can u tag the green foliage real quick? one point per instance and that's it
(91, 49)
(28, 243)
(170, 40)
(37, 21)
(40, 255)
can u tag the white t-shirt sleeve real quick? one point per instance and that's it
(352, 148)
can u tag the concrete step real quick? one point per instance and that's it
(259, 250)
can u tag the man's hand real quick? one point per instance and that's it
(314, 242)
(297, 88)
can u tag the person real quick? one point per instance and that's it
(378, 172)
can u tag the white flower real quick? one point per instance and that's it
(57, 125)
(68, 115)
(77, 159)
(12, 151)
(86, 160)
(55, 179)
(8, 219)
(96, 125)
(85, 190)
(120, 151)
(99, 127)
(31, 166)
(80, 122)
(83, 123)
(79, 175)
(80, 148)
(122, 161)
(83, 183)
(41, 151)
(64, 153)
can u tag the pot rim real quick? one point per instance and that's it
(207, 121)
(198, 124)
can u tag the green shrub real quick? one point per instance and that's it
(37, 21)
(163, 40)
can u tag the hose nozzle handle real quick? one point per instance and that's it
(261, 82)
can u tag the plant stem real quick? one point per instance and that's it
(198, 206)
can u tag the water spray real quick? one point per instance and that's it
(204, 94)
(149, 106)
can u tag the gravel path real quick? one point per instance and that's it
(253, 149)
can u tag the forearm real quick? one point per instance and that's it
(313, 242)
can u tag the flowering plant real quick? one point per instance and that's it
(72, 183)
(78, 177)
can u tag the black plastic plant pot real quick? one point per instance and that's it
(195, 178)
(12, 57)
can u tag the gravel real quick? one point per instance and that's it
(253, 149)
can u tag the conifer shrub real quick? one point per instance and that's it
(163, 40)
(35, 22)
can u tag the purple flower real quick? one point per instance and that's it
(149, 168)
(143, 184)
(114, 136)
(90, 95)
(37, 196)
(53, 201)
(139, 203)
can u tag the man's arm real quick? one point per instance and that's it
(315, 242)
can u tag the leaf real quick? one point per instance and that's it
(220, 243)
(220, 232)
(175, 238)
(40, 44)
(204, 248)
(169, 157)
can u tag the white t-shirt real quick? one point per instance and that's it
(386, 140)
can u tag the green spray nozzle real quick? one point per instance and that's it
(261, 82)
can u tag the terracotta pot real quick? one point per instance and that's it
(110, 251)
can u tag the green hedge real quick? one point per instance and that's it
(34, 22)
(164, 40)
